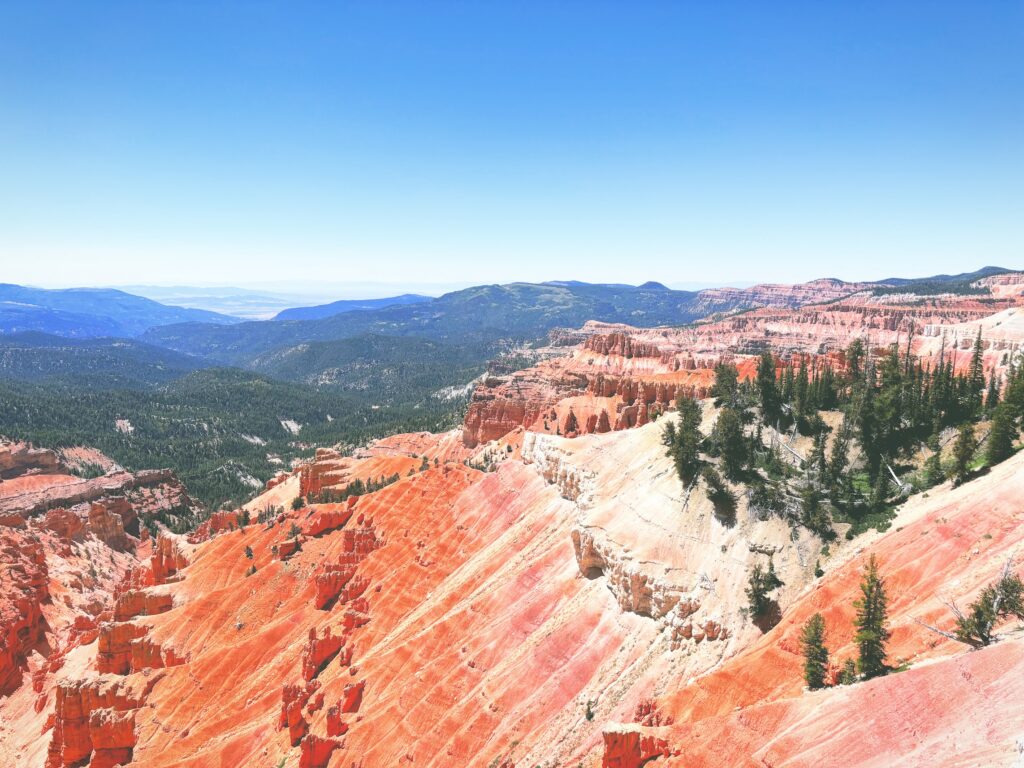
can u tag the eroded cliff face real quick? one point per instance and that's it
(617, 377)
(66, 547)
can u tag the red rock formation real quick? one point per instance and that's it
(146, 653)
(631, 747)
(168, 558)
(288, 547)
(67, 491)
(335, 725)
(460, 625)
(294, 698)
(319, 651)
(499, 405)
(224, 520)
(621, 345)
(23, 589)
(331, 580)
(316, 751)
(107, 521)
(352, 697)
(141, 602)
(114, 652)
(66, 524)
(19, 458)
(94, 723)
(328, 517)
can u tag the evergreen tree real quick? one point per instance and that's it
(1014, 392)
(1000, 438)
(815, 652)
(933, 474)
(767, 388)
(872, 612)
(976, 377)
(867, 425)
(761, 583)
(880, 491)
(726, 384)
(788, 385)
(848, 674)
(816, 461)
(813, 514)
(801, 390)
(855, 358)
(838, 462)
(683, 441)
(992, 396)
(731, 443)
(963, 453)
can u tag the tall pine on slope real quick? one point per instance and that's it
(732, 443)
(871, 634)
(963, 453)
(815, 652)
(683, 442)
(976, 377)
(933, 464)
(767, 388)
(726, 384)
(992, 396)
(1000, 439)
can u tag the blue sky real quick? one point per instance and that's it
(412, 143)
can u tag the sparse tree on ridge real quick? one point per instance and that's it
(933, 464)
(726, 384)
(768, 388)
(815, 652)
(872, 614)
(683, 441)
(761, 583)
(963, 453)
(1000, 439)
(732, 443)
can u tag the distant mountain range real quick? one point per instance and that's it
(348, 305)
(481, 316)
(513, 312)
(91, 312)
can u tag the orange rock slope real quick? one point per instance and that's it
(453, 619)
(534, 589)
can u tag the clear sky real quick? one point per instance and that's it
(429, 142)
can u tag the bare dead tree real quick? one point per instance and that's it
(984, 632)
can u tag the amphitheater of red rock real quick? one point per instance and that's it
(563, 608)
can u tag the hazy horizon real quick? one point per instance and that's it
(343, 289)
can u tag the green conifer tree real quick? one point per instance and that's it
(732, 443)
(871, 634)
(815, 652)
(1001, 437)
(963, 453)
